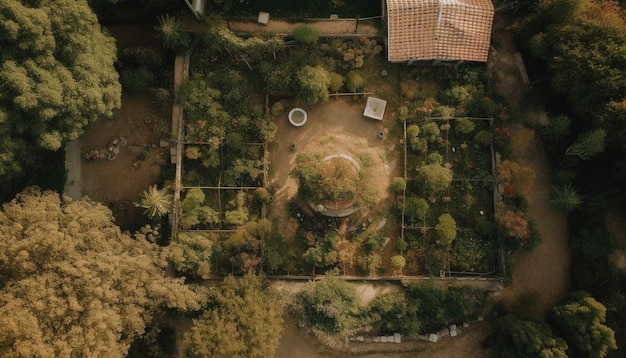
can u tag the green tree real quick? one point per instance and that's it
(392, 313)
(465, 126)
(330, 305)
(446, 229)
(397, 264)
(305, 34)
(155, 202)
(57, 75)
(194, 212)
(319, 256)
(238, 213)
(398, 185)
(581, 319)
(73, 283)
(206, 118)
(434, 178)
(557, 128)
(371, 263)
(416, 207)
(331, 180)
(431, 132)
(565, 198)
(190, 254)
(313, 84)
(526, 338)
(243, 247)
(589, 144)
(245, 320)
(355, 81)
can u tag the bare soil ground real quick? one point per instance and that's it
(118, 183)
(336, 126)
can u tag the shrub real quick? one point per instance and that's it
(484, 137)
(355, 82)
(416, 207)
(330, 305)
(434, 158)
(430, 131)
(314, 83)
(446, 229)
(397, 264)
(278, 108)
(336, 81)
(173, 33)
(409, 88)
(305, 34)
(434, 178)
(262, 195)
(398, 185)
(565, 198)
(137, 81)
(443, 111)
(517, 179)
(465, 126)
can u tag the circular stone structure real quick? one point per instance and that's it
(338, 208)
(297, 117)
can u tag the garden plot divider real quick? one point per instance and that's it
(180, 187)
(471, 211)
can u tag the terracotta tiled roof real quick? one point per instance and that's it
(439, 29)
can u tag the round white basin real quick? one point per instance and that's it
(297, 117)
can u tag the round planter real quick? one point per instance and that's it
(297, 117)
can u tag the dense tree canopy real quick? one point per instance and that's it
(516, 337)
(330, 305)
(72, 284)
(581, 319)
(57, 76)
(583, 42)
(336, 179)
(245, 320)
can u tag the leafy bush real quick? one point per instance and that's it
(191, 254)
(556, 129)
(565, 198)
(430, 131)
(484, 137)
(305, 34)
(313, 84)
(330, 305)
(397, 264)
(434, 178)
(336, 81)
(137, 81)
(434, 158)
(355, 81)
(391, 313)
(465, 126)
(446, 229)
(398, 185)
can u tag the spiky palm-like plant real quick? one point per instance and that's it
(173, 33)
(155, 202)
(565, 198)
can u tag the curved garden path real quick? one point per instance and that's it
(539, 278)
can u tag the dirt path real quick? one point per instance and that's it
(339, 27)
(539, 278)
